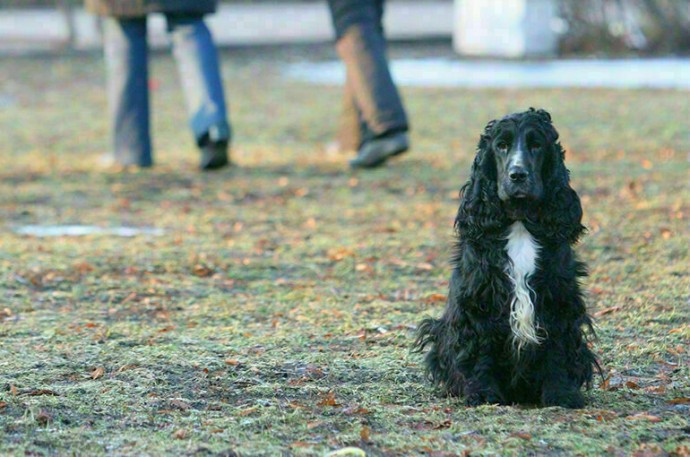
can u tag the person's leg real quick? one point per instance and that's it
(361, 45)
(197, 64)
(126, 56)
(362, 48)
(349, 136)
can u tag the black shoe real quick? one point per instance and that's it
(214, 147)
(214, 155)
(374, 153)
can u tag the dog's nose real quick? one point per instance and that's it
(517, 174)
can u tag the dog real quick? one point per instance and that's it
(515, 327)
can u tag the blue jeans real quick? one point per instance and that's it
(126, 55)
(362, 47)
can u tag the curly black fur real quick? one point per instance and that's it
(471, 352)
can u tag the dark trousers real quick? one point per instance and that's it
(362, 47)
(126, 53)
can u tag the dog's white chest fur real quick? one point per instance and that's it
(522, 251)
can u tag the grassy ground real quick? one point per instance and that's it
(275, 314)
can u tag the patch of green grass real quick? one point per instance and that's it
(276, 313)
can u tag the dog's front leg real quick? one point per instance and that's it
(559, 388)
(482, 386)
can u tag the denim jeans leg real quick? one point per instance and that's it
(199, 70)
(126, 56)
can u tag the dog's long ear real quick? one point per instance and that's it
(479, 210)
(561, 215)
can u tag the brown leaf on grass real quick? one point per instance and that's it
(337, 254)
(679, 401)
(355, 410)
(606, 385)
(97, 373)
(522, 436)
(435, 298)
(649, 450)
(232, 362)
(43, 417)
(365, 434)
(632, 385)
(680, 451)
(180, 434)
(130, 366)
(314, 424)
(83, 267)
(13, 390)
(644, 417)
(655, 389)
(180, 404)
(248, 411)
(678, 350)
(202, 271)
(128, 298)
(41, 392)
(3, 404)
(609, 310)
(328, 400)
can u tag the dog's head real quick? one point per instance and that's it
(517, 151)
(519, 173)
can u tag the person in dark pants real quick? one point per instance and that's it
(361, 45)
(126, 55)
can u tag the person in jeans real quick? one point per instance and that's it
(360, 43)
(126, 55)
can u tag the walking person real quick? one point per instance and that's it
(360, 43)
(126, 55)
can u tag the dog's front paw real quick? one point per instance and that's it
(566, 398)
(483, 397)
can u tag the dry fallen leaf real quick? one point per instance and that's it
(522, 435)
(680, 401)
(97, 373)
(435, 298)
(365, 434)
(329, 400)
(680, 451)
(180, 404)
(608, 310)
(40, 392)
(180, 434)
(202, 271)
(43, 417)
(644, 416)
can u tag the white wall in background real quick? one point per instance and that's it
(505, 28)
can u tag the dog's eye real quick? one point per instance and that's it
(535, 147)
(502, 146)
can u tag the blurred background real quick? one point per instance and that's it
(610, 27)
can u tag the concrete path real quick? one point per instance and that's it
(617, 74)
(244, 24)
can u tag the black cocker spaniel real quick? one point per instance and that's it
(512, 329)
